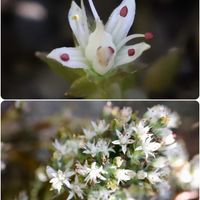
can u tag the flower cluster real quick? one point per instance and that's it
(104, 48)
(117, 156)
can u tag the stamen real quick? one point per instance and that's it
(94, 12)
(124, 11)
(65, 57)
(111, 50)
(174, 135)
(75, 17)
(130, 37)
(148, 36)
(131, 52)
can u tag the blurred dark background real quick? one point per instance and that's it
(28, 129)
(171, 66)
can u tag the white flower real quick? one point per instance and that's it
(89, 134)
(148, 147)
(118, 161)
(153, 177)
(82, 169)
(176, 154)
(69, 147)
(142, 130)
(124, 140)
(101, 194)
(95, 173)
(167, 135)
(160, 162)
(160, 112)
(76, 189)
(124, 115)
(100, 147)
(100, 127)
(105, 48)
(91, 148)
(141, 174)
(58, 178)
(124, 175)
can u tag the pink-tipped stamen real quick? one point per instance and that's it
(148, 36)
(111, 50)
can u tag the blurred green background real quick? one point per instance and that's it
(169, 70)
(29, 128)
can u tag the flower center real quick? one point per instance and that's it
(104, 54)
(131, 52)
(124, 11)
(65, 57)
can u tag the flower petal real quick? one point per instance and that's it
(69, 57)
(78, 22)
(128, 54)
(116, 142)
(124, 148)
(121, 20)
(101, 50)
(50, 172)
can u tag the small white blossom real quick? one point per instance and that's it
(105, 48)
(100, 127)
(124, 140)
(76, 189)
(95, 173)
(141, 174)
(142, 131)
(118, 161)
(82, 169)
(69, 147)
(89, 134)
(160, 162)
(124, 115)
(100, 147)
(160, 112)
(154, 178)
(124, 175)
(58, 178)
(167, 135)
(195, 172)
(148, 147)
(102, 194)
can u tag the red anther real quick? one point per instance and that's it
(131, 52)
(148, 36)
(111, 50)
(174, 135)
(64, 57)
(124, 11)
